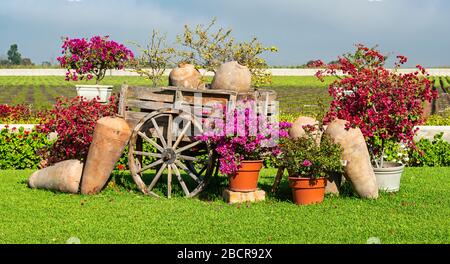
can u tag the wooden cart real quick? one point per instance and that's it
(165, 121)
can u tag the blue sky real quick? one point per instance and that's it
(301, 29)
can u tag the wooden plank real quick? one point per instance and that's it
(148, 105)
(133, 117)
(206, 91)
(122, 100)
(147, 93)
(206, 99)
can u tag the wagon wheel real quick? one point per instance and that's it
(174, 153)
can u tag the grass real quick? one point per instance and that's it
(419, 213)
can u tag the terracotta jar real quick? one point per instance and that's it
(307, 190)
(187, 76)
(111, 135)
(232, 76)
(246, 178)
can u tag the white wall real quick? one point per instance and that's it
(275, 72)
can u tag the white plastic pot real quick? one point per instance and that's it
(92, 91)
(388, 177)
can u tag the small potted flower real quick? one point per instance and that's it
(385, 104)
(243, 140)
(309, 164)
(86, 59)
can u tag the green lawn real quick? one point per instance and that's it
(419, 213)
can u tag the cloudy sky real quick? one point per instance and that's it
(301, 29)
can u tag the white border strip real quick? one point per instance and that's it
(127, 72)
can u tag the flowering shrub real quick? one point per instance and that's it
(74, 121)
(18, 114)
(432, 153)
(86, 59)
(304, 157)
(19, 149)
(241, 134)
(385, 105)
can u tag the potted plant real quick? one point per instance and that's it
(242, 139)
(86, 59)
(385, 104)
(309, 163)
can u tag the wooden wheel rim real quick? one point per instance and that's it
(170, 155)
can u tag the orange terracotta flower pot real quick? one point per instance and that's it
(246, 179)
(306, 190)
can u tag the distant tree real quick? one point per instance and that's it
(46, 64)
(3, 60)
(14, 56)
(27, 62)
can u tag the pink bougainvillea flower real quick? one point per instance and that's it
(307, 163)
(87, 58)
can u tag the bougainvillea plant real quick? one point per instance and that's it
(385, 104)
(242, 134)
(73, 120)
(19, 114)
(88, 58)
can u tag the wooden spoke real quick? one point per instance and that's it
(183, 132)
(203, 169)
(169, 132)
(151, 165)
(169, 181)
(187, 147)
(199, 188)
(184, 157)
(190, 173)
(138, 164)
(192, 157)
(192, 167)
(180, 180)
(148, 154)
(156, 178)
(153, 143)
(158, 132)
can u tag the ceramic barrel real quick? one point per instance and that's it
(111, 135)
(63, 176)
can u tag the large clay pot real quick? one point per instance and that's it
(63, 176)
(187, 76)
(111, 135)
(233, 77)
(427, 110)
(246, 178)
(358, 169)
(297, 131)
(307, 190)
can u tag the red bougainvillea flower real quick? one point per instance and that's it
(74, 120)
(385, 105)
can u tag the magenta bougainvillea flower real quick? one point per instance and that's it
(242, 134)
(88, 58)
(307, 163)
